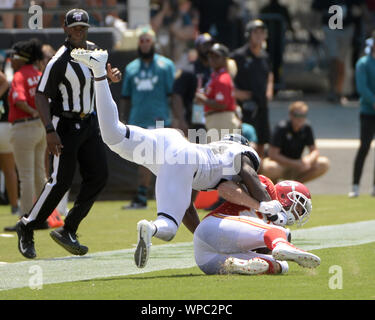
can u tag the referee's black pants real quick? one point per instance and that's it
(82, 144)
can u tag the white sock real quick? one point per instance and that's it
(165, 228)
(284, 266)
(113, 131)
(99, 70)
(355, 188)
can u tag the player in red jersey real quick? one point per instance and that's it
(228, 239)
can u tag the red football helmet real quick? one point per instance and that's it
(296, 201)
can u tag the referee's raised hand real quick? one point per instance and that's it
(54, 143)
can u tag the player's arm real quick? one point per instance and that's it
(212, 103)
(4, 85)
(191, 218)
(251, 181)
(312, 156)
(234, 193)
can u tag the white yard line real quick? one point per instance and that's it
(339, 143)
(170, 256)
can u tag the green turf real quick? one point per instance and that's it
(107, 227)
(175, 284)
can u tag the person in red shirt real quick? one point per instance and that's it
(218, 99)
(28, 135)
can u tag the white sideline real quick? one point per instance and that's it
(339, 143)
(169, 256)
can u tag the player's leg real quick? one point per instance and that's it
(173, 195)
(213, 259)
(276, 240)
(113, 131)
(213, 262)
(285, 251)
(130, 142)
(252, 263)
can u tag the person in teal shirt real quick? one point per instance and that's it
(146, 89)
(248, 131)
(365, 81)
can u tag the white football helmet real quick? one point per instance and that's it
(296, 201)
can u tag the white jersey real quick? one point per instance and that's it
(213, 162)
(220, 160)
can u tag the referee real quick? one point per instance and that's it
(65, 101)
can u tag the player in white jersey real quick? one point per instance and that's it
(228, 239)
(179, 165)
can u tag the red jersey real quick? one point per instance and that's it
(23, 88)
(232, 209)
(221, 89)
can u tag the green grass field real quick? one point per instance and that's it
(108, 228)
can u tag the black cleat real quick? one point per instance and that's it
(68, 241)
(137, 203)
(25, 240)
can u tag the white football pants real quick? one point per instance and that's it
(219, 237)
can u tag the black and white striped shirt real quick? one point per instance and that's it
(68, 84)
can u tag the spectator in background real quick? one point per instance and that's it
(254, 81)
(218, 99)
(48, 53)
(221, 19)
(369, 17)
(97, 5)
(365, 79)
(175, 25)
(278, 21)
(288, 142)
(9, 19)
(47, 17)
(7, 164)
(188, 81)
(247, 130)
(146, 88)
(28, 135)
(337, 42)
(358, 43)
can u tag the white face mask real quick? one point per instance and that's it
(299, 211)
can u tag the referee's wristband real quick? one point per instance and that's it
(50, 128)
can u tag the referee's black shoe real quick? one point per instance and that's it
(25, 240)
(68, 241)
